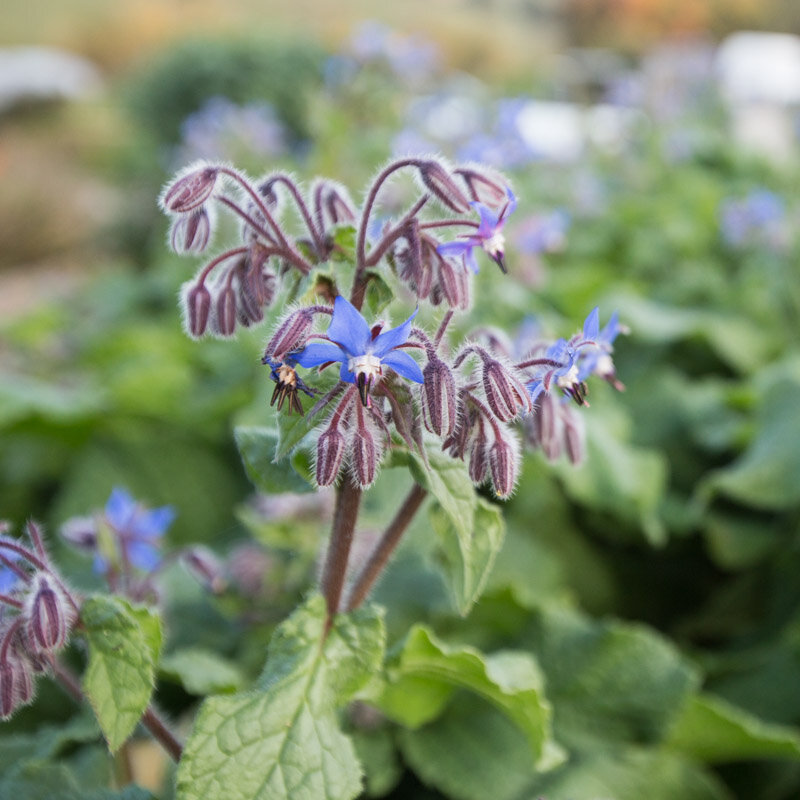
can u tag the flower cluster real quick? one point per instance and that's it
(37, 613)
(394, 384)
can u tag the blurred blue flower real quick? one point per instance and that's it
(488, 236)
(757, 218)
(543, 233)
(136, 528)
(361, 350)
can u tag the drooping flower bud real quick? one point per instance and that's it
(334, 202)
(504, 462)
(196, 307)
(81, 532)
(190, 191)
(505, 393)
(191, 233)
(364, 452)
(248, 309)
(330, 452)
(226, 311)
(453, 283)
(291, 334)
(438, 397)
(16, 684)
(203, 565)
(574, 435)
(439, 182)
(478, 462)
(483, 185)
(49, 616)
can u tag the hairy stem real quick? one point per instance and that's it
(150, 719)
(385, 547)
(348, 499)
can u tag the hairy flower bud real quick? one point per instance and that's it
(505, 393)
(49, 615)
(248, 309)
(364, 454)
(504, 463)
(204, 566)
(438, 397)
(16, 684)
(334, 202)
(453, 283)
(190, 233)
(574, 435)
(291, 334)
(330, 452)
(478, 462)
(226, 311)
(483, 185)
(190, 191)
(197, 308)
(439, 182)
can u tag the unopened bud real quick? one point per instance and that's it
(478, 455)
(205, 567)
(574, 435)
(364, 455)
(226, 311)
(249, 311)
(197, 308)
(505, 393)
(483, 185)
(330, 451)
(49, 617)
(440, 184)
(190, 233)
(336, 203)
(16, 684)
(438, 397)
(504, 463)
(291, 334)
(190, 191)
(453, 283)
(81, 532)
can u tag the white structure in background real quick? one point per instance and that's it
(44, 73)
(759, 77)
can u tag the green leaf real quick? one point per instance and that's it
(609, 682)
(447, 479)
(467, 559)
(257, 447)
(712, 730)
(344, 239)
(287, 725)
(201, 671)
(378, 756)
(427, 671)
(378, 294)
(119, 678)
(473, 751)
(765, 476)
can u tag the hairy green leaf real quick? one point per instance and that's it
(119, 678)
(282, 739)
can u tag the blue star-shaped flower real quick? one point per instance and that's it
(488, 236)
(137, 528)
(362, 353)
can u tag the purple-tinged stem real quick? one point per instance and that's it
(348, 499)
(394, 234)
(10, 601)
(442, 328)
(150, 719)
(385, 547)
(316, 232)
(240, 212)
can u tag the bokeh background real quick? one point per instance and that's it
(654, 147)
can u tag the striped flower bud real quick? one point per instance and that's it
(453, 282)
(291, 334)
(478, 462)
(505, 393)
(190, 191)
(336, 203)
(439, 182)
(504, 463)
(438, 397)
(574, 435)
(190, 233)
(226, 311)
(483, 185)
(197, 308)
(330, 452)
(48, 616)
(248, 309)
(365, 450)
(16, 684)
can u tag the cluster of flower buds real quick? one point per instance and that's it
(392, 381)
(37, 613)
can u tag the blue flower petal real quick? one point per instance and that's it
(403, 365)
(143, 555)
(315, 354)
(348, 328)
(489, 220)
(591, 327)
(393, 338)
(345, 374)
(455, 249)
(120, 509)
(152, 522)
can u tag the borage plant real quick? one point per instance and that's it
(354, 393)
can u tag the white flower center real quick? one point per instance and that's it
(604, 365)
(569, 378)
(366, 364)
(495, 245)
